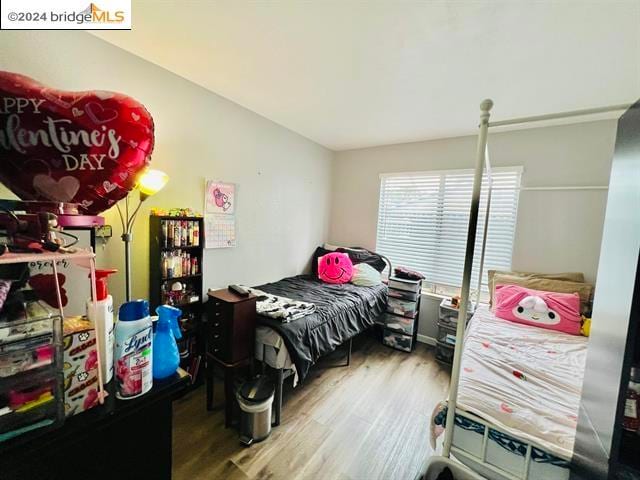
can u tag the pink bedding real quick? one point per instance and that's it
(526, 380)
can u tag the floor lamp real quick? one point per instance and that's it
(149, 183)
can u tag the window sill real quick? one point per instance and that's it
(438, 296)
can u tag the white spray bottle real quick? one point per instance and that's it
(104, 318)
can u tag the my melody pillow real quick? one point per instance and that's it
(335, 267)
(550, 310)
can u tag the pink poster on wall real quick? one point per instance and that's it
(219, 218)
(220, 197)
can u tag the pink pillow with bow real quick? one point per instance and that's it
(550, 310)
(335, 267)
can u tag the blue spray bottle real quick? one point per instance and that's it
(166, 357)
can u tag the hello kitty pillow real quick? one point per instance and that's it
(550, 310)
(335, 267)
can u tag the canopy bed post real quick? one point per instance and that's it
(485, 108)
(486, 222)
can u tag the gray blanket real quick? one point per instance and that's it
(342, 311)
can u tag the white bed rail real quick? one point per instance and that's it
(485, 108)
(481, 459)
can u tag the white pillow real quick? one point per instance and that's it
(364, 275)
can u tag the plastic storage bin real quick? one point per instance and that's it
(398, 306)
(398, 324)
(28, 402)
(408, 296)
(397, 340)
(446, 334)
(449, 314)
(40, 355)
(30, 368)
(444, 353)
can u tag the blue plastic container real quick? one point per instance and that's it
(166, 357)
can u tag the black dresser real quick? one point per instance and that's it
(230, 336)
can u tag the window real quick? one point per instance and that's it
(423, 219)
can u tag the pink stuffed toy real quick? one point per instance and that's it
(550, 310)
(335, 267)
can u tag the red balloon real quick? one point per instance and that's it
(77, 147)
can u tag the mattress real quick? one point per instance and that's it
(526, 380)
(271, 349)
(342, 311)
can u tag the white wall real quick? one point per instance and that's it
(283, 179)
(556, 230)
(286, 183)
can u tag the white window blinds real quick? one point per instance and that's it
(423, 219)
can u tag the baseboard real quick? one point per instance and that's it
(425, 339)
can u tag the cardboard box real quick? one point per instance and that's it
(80, 366)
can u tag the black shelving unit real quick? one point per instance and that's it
(164, 245)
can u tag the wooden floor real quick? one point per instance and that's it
(367, 421)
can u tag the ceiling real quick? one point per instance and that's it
(349, 73)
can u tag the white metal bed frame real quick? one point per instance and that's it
(482, 160)
(482, 458)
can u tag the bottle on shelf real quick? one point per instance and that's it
(178, 264)
(165, 231)
(631, 420)
(165, 265)
(170, 233)
(196, 234)
(177, 235)
(184, 234)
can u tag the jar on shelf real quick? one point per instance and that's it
(631, 420)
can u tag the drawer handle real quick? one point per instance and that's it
(215, 349)
(217, 324)
(216, 336)
(217, 314)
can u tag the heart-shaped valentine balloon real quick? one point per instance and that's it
(78, 147)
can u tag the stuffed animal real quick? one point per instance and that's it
(550, 310)
(335, 267)
(586, 326)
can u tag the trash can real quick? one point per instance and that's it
(255, 398)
